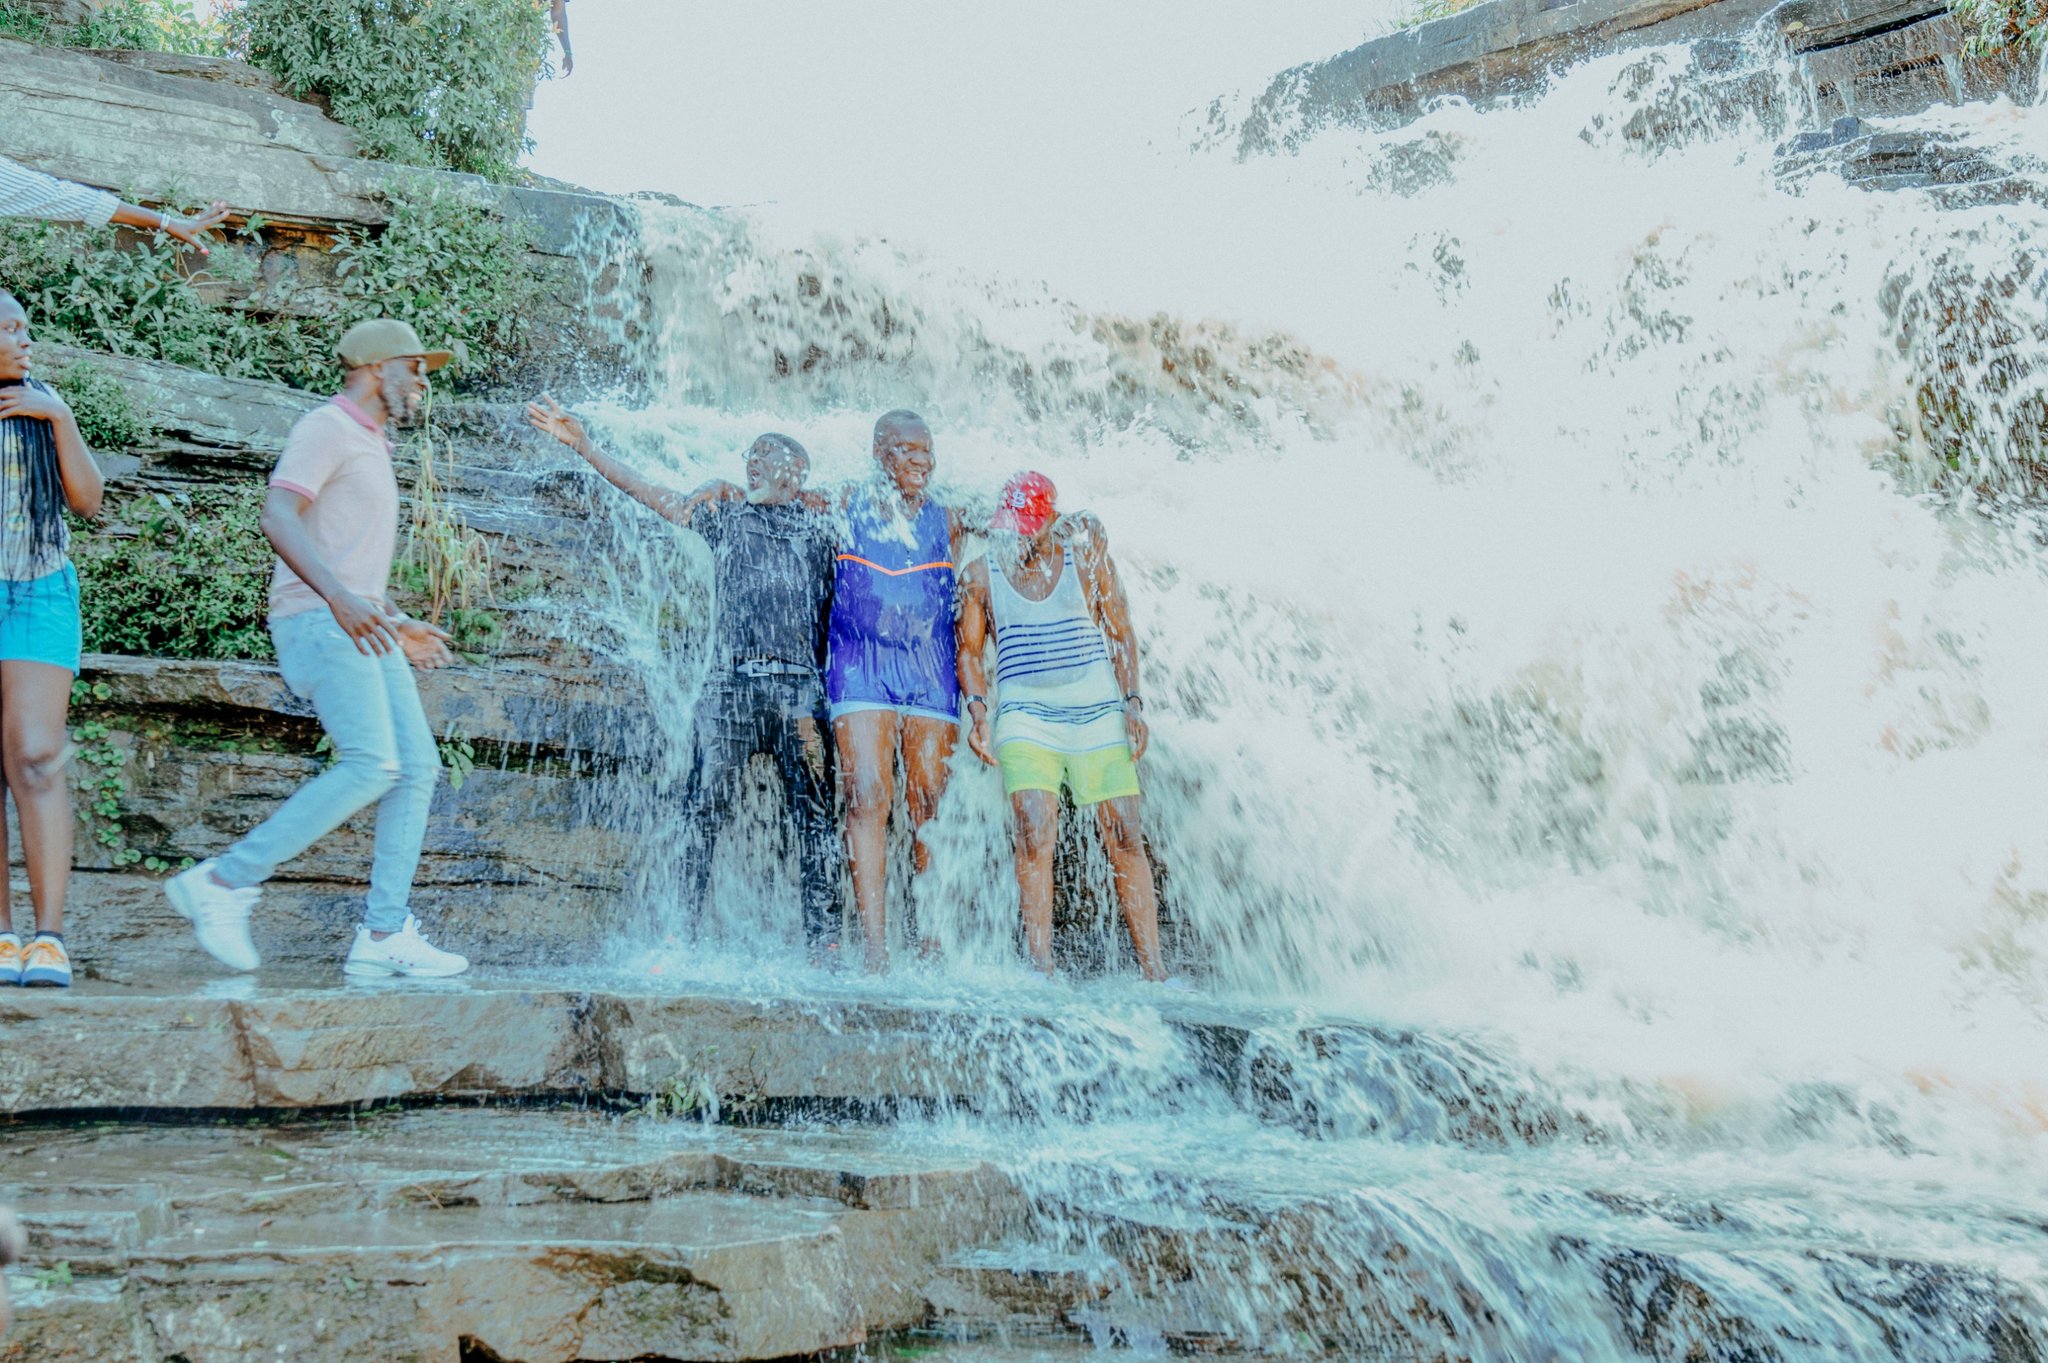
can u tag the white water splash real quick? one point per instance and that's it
(1592, 603)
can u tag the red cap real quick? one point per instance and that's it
(1026, 505)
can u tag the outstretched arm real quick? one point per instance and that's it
(1112, 611)
(29, 193)
(971, 638)
(546, 416)
(192, 231)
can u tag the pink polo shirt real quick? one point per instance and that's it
(339, 459)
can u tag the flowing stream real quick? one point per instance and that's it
(1593, 593)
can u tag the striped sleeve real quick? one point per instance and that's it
(26, 193)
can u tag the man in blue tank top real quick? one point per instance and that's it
(771, 582)
(891, 676)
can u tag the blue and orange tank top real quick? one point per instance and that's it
(891, 632)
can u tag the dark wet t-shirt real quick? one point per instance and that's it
(772, 581)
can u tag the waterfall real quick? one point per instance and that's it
(1590, 573)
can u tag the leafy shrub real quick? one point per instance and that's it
(184, 576)
(82, 286)
(427, 82)
(1996, 24)
(443, 263)
(446, 265)
(107, 416)
(24, 24)
(141, 25)
(151, 26)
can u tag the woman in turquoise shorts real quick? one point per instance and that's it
(45, 469)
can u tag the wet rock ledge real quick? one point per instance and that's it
(541, 1236)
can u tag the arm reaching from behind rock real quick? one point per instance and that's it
(26, 193)
(558, 13)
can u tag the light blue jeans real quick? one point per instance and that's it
(383, 752)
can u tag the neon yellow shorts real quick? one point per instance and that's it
(1105, 774)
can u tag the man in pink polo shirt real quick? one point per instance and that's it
(332, 516)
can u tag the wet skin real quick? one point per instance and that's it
(872, 741)
(1033, 567)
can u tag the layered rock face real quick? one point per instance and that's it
(520, 1171)
(1856, 58)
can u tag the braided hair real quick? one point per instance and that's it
(41, 491)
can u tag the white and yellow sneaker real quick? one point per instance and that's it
(10, 958)
(46, 963)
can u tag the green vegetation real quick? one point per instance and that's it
(83, 287)
(107, 416)
(683, 1094)
(458, 755)
(422, 82)
(442, 262)
(178, 576)
(102, 752)
(1996, 24)
(425, 82)
(444, 560)
(140, 25)
(445, 264)
(96, 772)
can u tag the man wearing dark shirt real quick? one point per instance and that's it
(772, 592)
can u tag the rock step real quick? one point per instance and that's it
(230, 1043)
(536, 1235)
(194, 1037)
(1001, 1286)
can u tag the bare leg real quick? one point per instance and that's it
(927, 758)
(34, 751)
(6, 871)
(1038, 829)
(7, 878)
(1123, 837)
(867, 769)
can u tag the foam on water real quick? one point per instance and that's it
(1592, 600)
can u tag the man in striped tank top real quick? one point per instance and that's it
(1067, 711)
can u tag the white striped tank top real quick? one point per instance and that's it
(1055, 685)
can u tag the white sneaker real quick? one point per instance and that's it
(404, 952)
(219, 915)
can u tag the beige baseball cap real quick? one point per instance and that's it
(386, 338)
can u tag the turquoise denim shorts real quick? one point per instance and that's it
(39, 620)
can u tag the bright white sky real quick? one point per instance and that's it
(1040, 140)
(827, 101)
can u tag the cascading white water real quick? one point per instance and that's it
(1594, 604)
